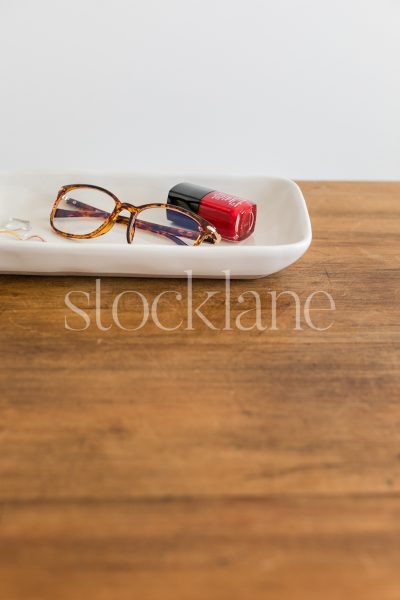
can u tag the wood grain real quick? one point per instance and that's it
(210, 464)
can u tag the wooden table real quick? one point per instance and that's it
(210, 464)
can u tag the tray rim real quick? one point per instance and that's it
(101, 173)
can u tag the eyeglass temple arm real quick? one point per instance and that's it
(92, 211)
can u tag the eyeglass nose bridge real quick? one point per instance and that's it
(127, 220)
(129, 207)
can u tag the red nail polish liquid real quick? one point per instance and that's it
(234, 217)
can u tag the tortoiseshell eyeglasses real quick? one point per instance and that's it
(84, 211)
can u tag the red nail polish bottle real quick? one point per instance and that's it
(234, 217)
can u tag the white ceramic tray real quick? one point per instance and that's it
(282, 234)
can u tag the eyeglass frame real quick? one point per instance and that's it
(207, 231)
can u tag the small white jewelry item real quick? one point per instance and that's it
(15, 224)
(19, 228)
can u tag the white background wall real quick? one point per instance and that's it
(305, 89)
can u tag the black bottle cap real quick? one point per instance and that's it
(188, 195)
